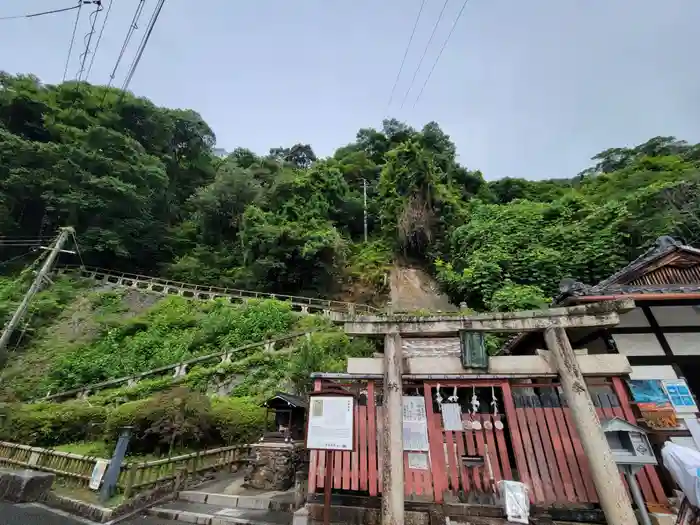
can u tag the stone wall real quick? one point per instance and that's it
(274, 465)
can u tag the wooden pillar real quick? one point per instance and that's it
(392, 452)
(606, 477)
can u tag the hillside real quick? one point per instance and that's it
(146, 193)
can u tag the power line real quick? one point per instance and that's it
(133, 27)
(12, 259)
(99, 39)
(408, 46)
(444, 45)
(425, 51)
(72, 39)
(33, 15)
(88, 36)
(142, 45)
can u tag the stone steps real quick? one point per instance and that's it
(211, 514)
(281, 501)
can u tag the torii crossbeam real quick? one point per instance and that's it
(553, 322)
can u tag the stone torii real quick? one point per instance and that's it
(553, 322)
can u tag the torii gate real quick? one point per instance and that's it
(554, 321)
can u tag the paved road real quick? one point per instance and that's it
(37, 515)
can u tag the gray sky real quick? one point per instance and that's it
(525, 88)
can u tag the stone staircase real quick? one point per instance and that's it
(225, 501)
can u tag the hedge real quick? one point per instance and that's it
(176, 418)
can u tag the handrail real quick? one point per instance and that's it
(173, 366)
(314, 302)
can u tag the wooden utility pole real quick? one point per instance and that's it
(606, 477)
(36, 285)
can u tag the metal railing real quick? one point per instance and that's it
(207, 292)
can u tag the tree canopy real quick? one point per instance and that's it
(146, 193)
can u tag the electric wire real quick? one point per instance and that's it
(425, 52)
(142, 46)
(133, 27)
(88, 38)
(408, 46)
(99, 39)
(444, 45)
(42, 13)
(16, 257)
(72, 39)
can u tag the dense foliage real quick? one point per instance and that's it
(175, 419)
(145, 192)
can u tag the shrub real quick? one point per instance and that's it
(48, 425)
(178, 417)
(238, 419)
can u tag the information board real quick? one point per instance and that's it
(330, 423)
(415, 424)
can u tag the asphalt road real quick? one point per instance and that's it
(36, 515)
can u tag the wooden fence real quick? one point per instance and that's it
(75, 470)
(524, 432)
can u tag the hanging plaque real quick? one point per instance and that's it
(473, 350)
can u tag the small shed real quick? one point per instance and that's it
(290, 417)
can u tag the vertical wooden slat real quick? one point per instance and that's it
(451, 453)
(535, 464)
(463, 475)
(374, 485)
(592, 495)
(321, 479)
(355, 481)
(346, 470)
(547, 448)
(493, 449)
(516, 438)
(648, 474)
(337, 470)
(363, 444)
(437, 467)
(561, 465)
(469, 437)
(481, 472)
(574, 470)
(502, 449)
(408, 476)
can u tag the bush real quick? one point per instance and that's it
(238, 419)
(48, 425)
(177, 418)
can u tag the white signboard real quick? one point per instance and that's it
(98, 473)
(330, 423)
(452, 417)
(415, 424)
(418, 460)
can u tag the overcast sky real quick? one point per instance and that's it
(525, 88)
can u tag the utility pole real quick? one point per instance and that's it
(364, 184)
(34, 288)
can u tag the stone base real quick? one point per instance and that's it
(24, 486)
(274, 465)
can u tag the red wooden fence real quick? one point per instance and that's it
(525, 430)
